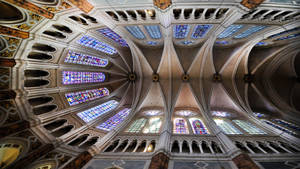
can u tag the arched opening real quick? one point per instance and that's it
(216, 147)
(276, 147)
(79, 20)
(63, 28)
(122, 146)
(43, 47)
(39, 56)
(9, 152)
(44, 109)
(221, 13)
(195, 147)
(132, 146)
(79, 140)
(288, 147)
(176, 13)
(185, 147)
(142, 13)
(90, 18)
(242, 147)
(205, 147)
(54, 34)
(36, 73)
(187, 13)
(253, 147)
(10, 14)
(89, 143)
(209, 13)
(55, 124)
(198, 13)
(175, 147)
(113, 15)
(62, 131)
(265, 147)
(39, 100)
(151, 146)
(132, 14)
(123, 15)
(141, 147)
(35, 82)
(112, 146)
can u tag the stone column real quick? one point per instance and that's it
(31, 157)
(244, 161)
(159, 161)
(13, 128)
(81, 160)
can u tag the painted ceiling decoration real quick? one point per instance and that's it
(149, 84)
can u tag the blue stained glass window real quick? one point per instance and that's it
(287, 124)
(284, 32)
(200, 31)
(222, 42)
(113, 35)
(135, 31)
(92, 113)
(70, 77)
(87, 95)
(232, 29)
(292, 36)
(181, 31)
(261, 44)
(95, 44)
(78, 58)
(114, 120)
(280, 128)
(180, 126)
(153, 31)
(250, 31)
(259, 115)
(248, 127)
(220, 114)
(186, 42)
(152, 43)
(227, 127)
(198, 126)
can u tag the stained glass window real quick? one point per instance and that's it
(220, 114)
(248, 127)
(95, 44)
(137, 125)
(78, 58)
(87, 95)
(250, 31)
(287, 124)
(232, 29)
(152, 113)
(181, 31)
(284, 32)
(70, 77)
(292, 36)
(135, 31)
(187, 42)
(153, 31)
(227, 127)
(223, 42)
(200, 31)
(180, 126)
(92, 113)
(259, 115)
(113, 36)
(261, 44)
(185, 113)
(152, 43)
(198, 126)
(154, 125)
(114, 120)
(279, 127)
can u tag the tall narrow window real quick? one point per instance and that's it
(220, 114)
(250, 31)
(78, 58)
(87, 95)
(200, 31)
(137, 125)
(113, 36)
(70, 77)
(154, 125)
(232, 29)
(227, 127)
(280, 128)
(114, 120)
(92, 113)
(287, 124)
(291, 36)
(181, 31)
(153, 31)
(248, 127)
(135, 31)
(198, 126)
(95, 44)
(180, 126)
